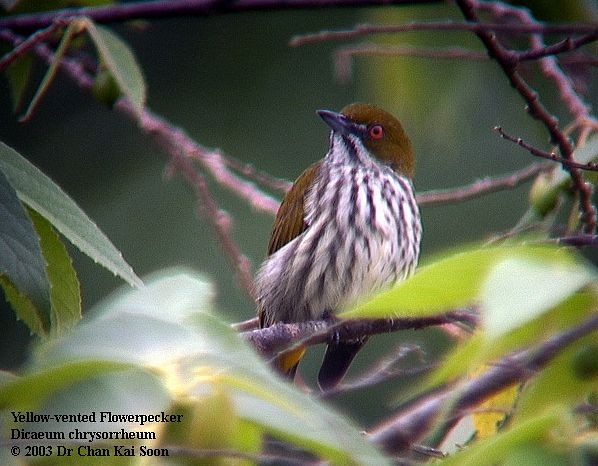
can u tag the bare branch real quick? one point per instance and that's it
(480, 188)
(411, 424)
(220, 220)
(215, 162)
(343, 56)
(578, 240)
(367, 29)
(536, 109)
(549, 66)
(160, 9)
(246, 325)
(180, 149)
(26, 45)
(263, 178)
(280, 336)
(543, 154)
(566, 45)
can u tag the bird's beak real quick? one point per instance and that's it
(338, 122)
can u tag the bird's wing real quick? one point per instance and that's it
(290, 221)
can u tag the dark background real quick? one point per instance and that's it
(233, 82)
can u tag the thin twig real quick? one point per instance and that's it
(367, 29)
(535, 108)
(343, 56)
(480, 187)
(545, 155)
(219, 219)
(160, 9)
(578, 108)
(381, 372)
(179, 147)
(26, 45)
(411, 424)
(265, 179)
(578, 240)
(246, 325)
(216, 163)
(566, 45)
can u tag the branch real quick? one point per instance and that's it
(578, 240)
(182, 150)
(481, 187)
(265, 179)
(220, 219)
(160, 9)
(367, 29)
(578, 108)
(535, 108)
(280, 336)
(412, 424)
(343, 56)
(566, 45)
(545, 155)
(29, 43)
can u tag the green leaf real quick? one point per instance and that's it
(65, 295)
(19, 73)
(167, 327)
(73, 28)
(448, 283)
(41, 194)
(495, 450)
(24, 308)
(21, 260)
(118, 59)
(118, 389)
(30, 390)
(561, 381)
(519, 289)
(480, 349)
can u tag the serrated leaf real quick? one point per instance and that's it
(519, 289)
(23, 307)
(167, 327)
(21, 260)
(65, 295)
(41, 194)
(118, 59)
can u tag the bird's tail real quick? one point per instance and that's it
(287, 363)
(338, 358)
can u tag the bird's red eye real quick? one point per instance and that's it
(376, 132)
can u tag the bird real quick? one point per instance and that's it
(348, 227)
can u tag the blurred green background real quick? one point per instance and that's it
(233, 82)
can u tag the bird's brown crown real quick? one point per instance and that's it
(385, 137)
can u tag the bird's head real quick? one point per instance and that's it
(375, 130)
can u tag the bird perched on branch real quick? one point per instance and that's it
(348, 227)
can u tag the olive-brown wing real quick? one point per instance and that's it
(289, 221)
